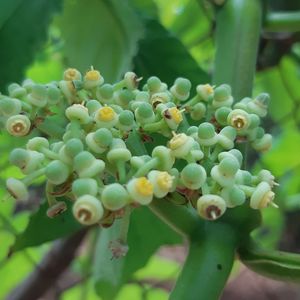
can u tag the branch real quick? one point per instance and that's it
(51, 267)
(282, 22)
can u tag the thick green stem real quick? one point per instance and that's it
(237, 37)
(208, 264)
(282, 22)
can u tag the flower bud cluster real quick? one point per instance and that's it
(94, 162)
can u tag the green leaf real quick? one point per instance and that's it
(108, 271)
(42, 229)
(104, 34)
(162, 54)
(146, 234)
(23, 30)
(274, 264)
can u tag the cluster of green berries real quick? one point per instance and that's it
(91, 163)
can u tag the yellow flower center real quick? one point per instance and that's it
(208, 89)
(164, 181)
(71, 74)
(178, 140)
(239, 122)
(175, 115)
(144, 186)
(106, 114)
(92, 75)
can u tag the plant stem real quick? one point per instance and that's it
(208, 264)
(282, 22)
(237, 37)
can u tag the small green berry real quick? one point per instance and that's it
(114, 197)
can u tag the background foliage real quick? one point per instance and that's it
(166, 38)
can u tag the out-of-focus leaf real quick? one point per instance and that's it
(100, 33)
(274, 264)
(270, 80)
(108, 270)
(268, 235)
(23, 29)
(145, 7)
(146, 235)
(42, 229)
(278, 160)
(162, 54)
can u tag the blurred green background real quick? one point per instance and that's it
(167, 38)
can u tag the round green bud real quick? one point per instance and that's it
(53, 94)
(154, 85)
(224, 173)
(27, 85)
(37, 143)
(144, 113)
(226, 137)
(221, 115)
(254, 121)
(55, 147)
(123, 97)
(78, 112)
(10, 106)
(114, 197)
(28, 161)
(86, 165)
(222, 96)
(164, 157)
(262, 196)
(207, 135)
(243, 104)
(243, 177)
(126, 120)
(16, 91)
(137, 162)
(88, 210)
(57, 172)
(103, 137)
(193, 176)
(38, 95)
(93, 106)
(181, 89)
(211, 207)
(267, 176)
(18, 125)
(118, 152)
(263, 144)
(105, 93)
(140, 190)
(17, 189)
(259, 105)
(84, 186)
(233, 196)
(73, 147)
(233, 153)
(192, 131)
(198, 111)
